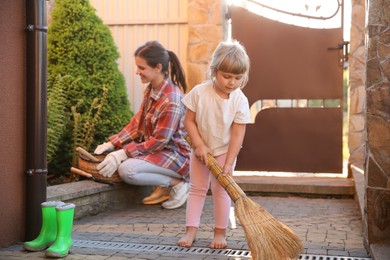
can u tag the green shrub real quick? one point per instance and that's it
(84, 130)
(81, 47)
(56, 113)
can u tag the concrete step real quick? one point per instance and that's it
(93, 198)
(298, 185)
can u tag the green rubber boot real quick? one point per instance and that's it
(63, 242)
(48, 231)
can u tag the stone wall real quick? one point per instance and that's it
(92, 198)
(206, 30)
(377, 168)
(357, 88)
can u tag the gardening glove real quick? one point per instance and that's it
(105, 147)
(111, 163)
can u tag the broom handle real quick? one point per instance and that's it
(227, 182)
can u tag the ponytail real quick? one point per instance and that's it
(177, 72)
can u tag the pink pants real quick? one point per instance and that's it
(200, 179)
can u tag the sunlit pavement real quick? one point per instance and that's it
(326, 227)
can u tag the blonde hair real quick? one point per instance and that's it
(230, 57)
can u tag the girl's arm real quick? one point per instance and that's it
(236, 138)
(200, 149)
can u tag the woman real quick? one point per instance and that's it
(151, 149)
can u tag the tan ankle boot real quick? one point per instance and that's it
(160, 194)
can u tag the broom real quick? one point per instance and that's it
(268, 238)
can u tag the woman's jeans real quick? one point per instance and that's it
(140, 172)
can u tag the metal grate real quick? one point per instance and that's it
(327, 257)
(193, 250)
(161, 248)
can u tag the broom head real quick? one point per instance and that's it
(268, 238)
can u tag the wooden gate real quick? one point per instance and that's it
(134, 22)
(295, 89)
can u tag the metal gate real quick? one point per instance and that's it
(295, 88)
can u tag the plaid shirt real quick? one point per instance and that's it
(156, 132)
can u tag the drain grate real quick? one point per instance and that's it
(192, 250)
(327, 257)
(161, 248)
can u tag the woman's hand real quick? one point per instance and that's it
(111, 163)
(105, 147)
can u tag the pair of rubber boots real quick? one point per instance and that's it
(56, 232)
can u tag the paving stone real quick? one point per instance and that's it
(325, 226)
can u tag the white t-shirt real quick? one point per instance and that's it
(215, 115)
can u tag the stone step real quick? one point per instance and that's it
(302, 186)
(92, 197)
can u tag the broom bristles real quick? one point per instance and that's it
(268, 238)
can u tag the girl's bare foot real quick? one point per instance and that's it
(188, 238)
(219, 240)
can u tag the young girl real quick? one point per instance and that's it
(216, 118)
